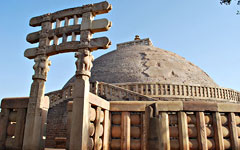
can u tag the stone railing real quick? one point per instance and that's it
(115, 93)
(149, 91)
(192, 125)
(104, 90)
(159, 90)
(13, 117)
(146, 42)
(98, 125)
(59, 96)
(12, 122)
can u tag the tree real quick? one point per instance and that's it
(228, 2)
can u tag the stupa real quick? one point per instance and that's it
(137, 97)
(139, 78)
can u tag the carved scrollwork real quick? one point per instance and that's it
(41, 67)
(84, 62)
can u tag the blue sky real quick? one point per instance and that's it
(204, 32)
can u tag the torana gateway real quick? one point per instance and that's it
(137, 97)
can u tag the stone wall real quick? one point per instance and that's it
(56, 124)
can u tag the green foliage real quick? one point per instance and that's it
(228, 2)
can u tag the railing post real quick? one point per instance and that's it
(151, 90)
(185, 90)
(218, 135)
(19, 131)
(96, 87)
(106, 132)
(141, 89)
(233, 131)
(97, 139)
(146, 89)
(125, 129)
(164, 136)
(183, 131)
(201, 129)
(156, 90)
(3, 126)
(171, 89)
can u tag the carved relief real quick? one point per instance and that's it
(41, 67)
(84, 62)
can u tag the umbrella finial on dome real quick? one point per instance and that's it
(137, 37)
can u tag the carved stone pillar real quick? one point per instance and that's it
(38, 104)
(80, 120)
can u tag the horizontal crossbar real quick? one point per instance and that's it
(99, 25)
(74, 46)
(96, 9)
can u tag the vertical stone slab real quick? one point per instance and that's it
(183, 131)
(218, 135)
(148, 115)
(97, 143)
(19, 131)
(96, 84)
(106, 132)
(164, 136)
(201, 129)
(151, 89)
(156, 89)
(141, 89)
(233, 131)
(125, 131)
(44, 106)
(143, 132)
(3, 126)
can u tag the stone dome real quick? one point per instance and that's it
(140, 61)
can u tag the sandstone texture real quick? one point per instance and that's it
(142, 62)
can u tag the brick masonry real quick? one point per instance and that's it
(56, 124)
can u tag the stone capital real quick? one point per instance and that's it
(84, 62)
(41, 67)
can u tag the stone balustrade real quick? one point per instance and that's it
(98, 123)
(148, 91)
(146, 42)
(108, 91)
(13, 116)
(115, 93)
(59, 96)
(159, 90)
(12, 122)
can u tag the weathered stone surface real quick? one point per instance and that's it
(73, 46)
(96, 26)
(96, 9)
(139, 61)
(16, 102)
